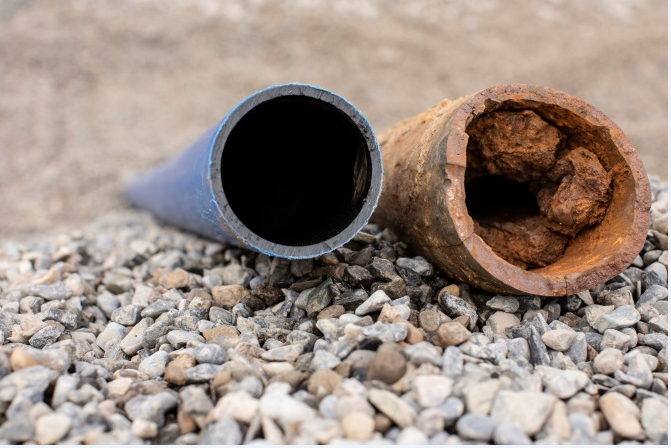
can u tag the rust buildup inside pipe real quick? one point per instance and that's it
(527, 191)
(516, 189)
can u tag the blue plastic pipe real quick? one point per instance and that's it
(292, 171)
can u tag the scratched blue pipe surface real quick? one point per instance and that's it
(182, 190)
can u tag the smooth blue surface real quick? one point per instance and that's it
(180, 190)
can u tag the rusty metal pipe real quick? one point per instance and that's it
(292, 171)
(430, 166)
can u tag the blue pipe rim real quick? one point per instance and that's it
(241, 232)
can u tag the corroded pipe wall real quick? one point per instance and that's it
(428, 163)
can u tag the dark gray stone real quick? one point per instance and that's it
(358, 275)
(527, 303)
(382, 269)
(351, 299)
(652, 278)
(69, 319)
(46, 336)
(578, 350)
(455, 306)
(538, 351)
(319, 298)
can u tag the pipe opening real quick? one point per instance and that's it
(491, 199)
(296, 170)
(534, 182)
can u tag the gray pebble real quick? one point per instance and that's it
(46, 336)
(614, 339)
(608, 361)
(412, 436)
(455, 306)
(660, 269)
(508, 304)
(36, 377)
(652, 295)
(157, 308)
(107, 302)
(202, 372)
(510, 434)
(538, 352)
(452, 409)
(234, 274)
(577, 352)
(562, 383)
(423, 352)
(351, 300)
(224, 431)
(475, 427)
(663, 308)
(656, 340)
(68, 318)
(324, 360)
(560, 340)
(285, 353)
(208, 354)
(180, 338)
(386, 332)
(154, 365)
(55, 291)
(453, 362)
(417, 264)
(373, 303)
(622, 317)
(150, 407)
(112, 331)
(126, 315)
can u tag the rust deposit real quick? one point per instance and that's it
(568, 188)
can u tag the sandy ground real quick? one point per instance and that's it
(92, 92)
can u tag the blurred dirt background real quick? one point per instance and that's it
(94, 91)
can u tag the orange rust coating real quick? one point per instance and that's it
(423, 198)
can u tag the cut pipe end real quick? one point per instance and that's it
(296, 171)
(293, 171)
(431, 155)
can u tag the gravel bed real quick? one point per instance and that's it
(128, 331)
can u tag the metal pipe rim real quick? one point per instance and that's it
(579, 271)
(244, 235)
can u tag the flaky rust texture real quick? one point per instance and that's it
(591, 189)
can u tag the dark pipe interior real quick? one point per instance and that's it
(491, 199)
(295, 170)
